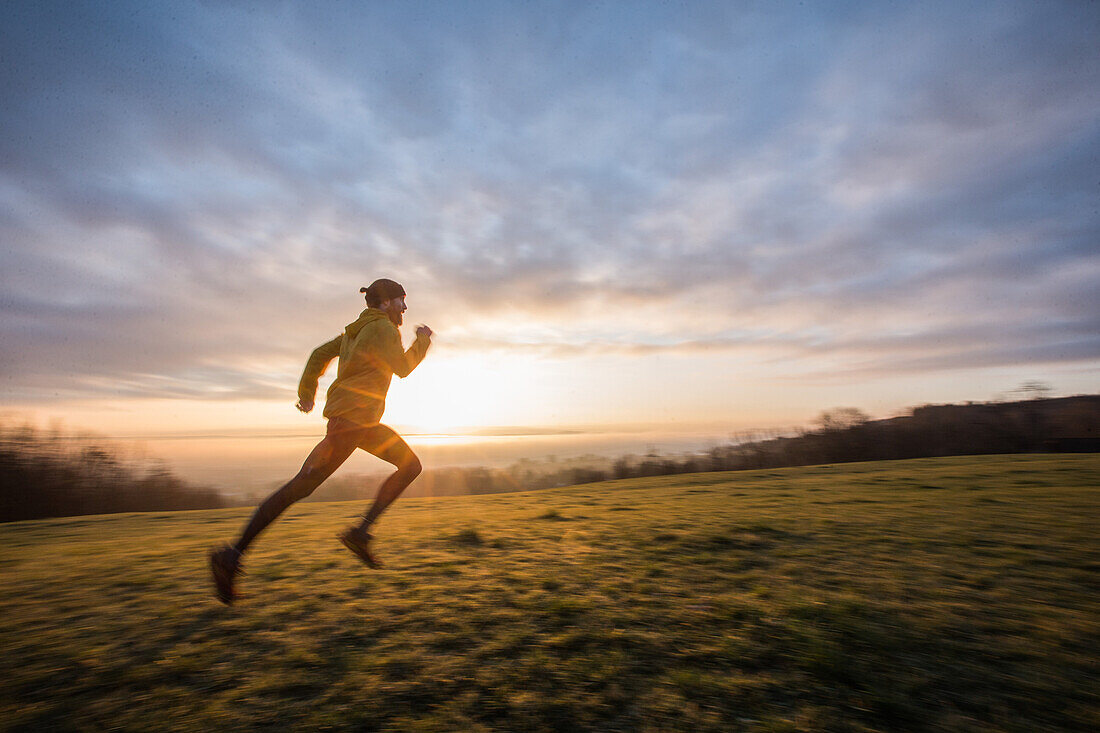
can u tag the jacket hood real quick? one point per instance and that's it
(370, 315)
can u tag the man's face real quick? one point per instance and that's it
(393, 308)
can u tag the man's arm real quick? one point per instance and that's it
(316, 365)
(403, 362)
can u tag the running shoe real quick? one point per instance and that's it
(358, 541)
(225, 564)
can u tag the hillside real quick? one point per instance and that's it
(932, 594)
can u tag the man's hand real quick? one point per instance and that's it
(304, 405)
(423, 331)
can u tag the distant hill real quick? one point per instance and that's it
(846, 435)
(1066, 424)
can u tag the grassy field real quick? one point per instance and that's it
(938, 594)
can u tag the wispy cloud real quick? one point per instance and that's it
(190, 196)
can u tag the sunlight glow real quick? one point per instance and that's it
(450, 391)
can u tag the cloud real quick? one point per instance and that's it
(190, 196)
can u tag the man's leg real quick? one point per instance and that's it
(329, 455)
(340, 442)
(383, 442)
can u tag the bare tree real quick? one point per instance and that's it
(1034, 390)
(841, 418)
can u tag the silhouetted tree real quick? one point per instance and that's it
(50, 474)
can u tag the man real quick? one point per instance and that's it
(370, 353)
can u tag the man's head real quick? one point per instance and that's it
(388, 297)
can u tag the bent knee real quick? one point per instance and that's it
(411, 467)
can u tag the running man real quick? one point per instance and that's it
(370, 353)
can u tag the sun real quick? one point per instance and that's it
(451, 392)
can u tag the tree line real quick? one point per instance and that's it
(56, 474)
(845, 435)
(49, 473)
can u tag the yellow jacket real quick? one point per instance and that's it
(370, 354)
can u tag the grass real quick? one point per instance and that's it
(937, 594)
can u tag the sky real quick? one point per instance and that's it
(627, 213)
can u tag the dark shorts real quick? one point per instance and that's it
(377, 439)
